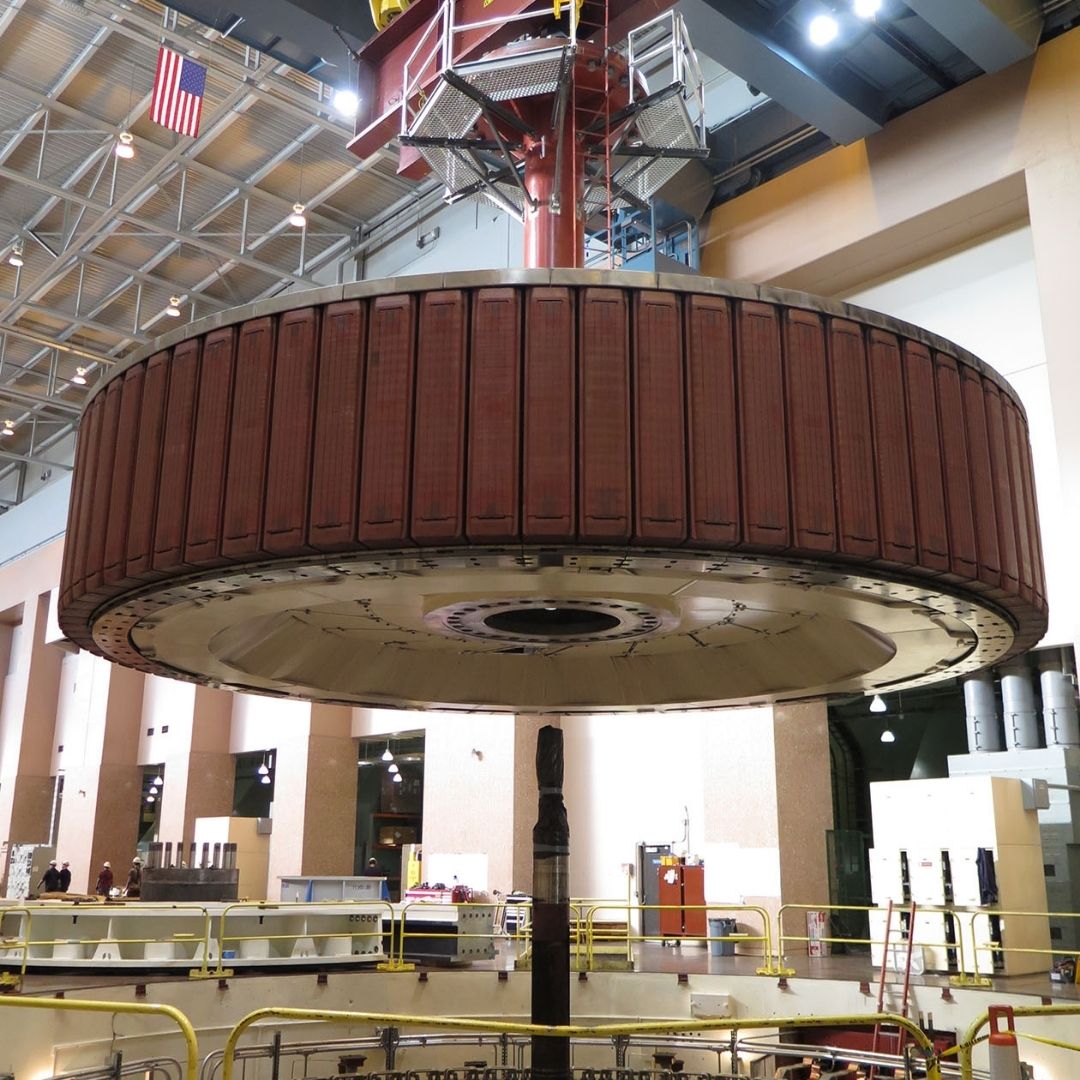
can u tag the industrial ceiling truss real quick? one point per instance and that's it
(97, 252)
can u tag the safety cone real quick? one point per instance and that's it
(1004, 1053)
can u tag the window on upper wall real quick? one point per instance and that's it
(253, 789)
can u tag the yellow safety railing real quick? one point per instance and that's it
(962, 976)
(27, 941)
(992, 946)
(570, 1031)
(307, 907)
(971, 1038)
(771, 965)
(114, 1007)
(458, 934)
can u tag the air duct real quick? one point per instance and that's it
(980, 706)
(1060, 719)
(1018, 706)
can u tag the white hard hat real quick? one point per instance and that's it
(108, 864)
(52, 862)
(137, 859)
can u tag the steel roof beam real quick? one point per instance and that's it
(737, 34)
(992, 33)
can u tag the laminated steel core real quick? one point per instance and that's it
(553, 490)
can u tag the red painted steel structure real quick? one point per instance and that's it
(554, 229)
(553, 412)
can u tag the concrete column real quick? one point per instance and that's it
(99, 819)
(470, 772)
(1053, 193)
(314, 795)
(330, 804)
(804, 805)
(199, 771)
(27, 722)
(767, 805)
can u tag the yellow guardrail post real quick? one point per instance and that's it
(601, 1031)
(7, 978)
(130, 1008)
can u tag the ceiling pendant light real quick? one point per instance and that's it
(296, 218)
(159, 780)
(392, 767)
(15, 258)
(887, 736)
(822, 30)
(151, 798)
(397, 778)
(263, 770)
(79, 378)
(153, 789)
(878, 704)
(264, 780)
(173, 310)
(387, 755)
(124, 147)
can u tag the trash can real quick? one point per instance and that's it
(722, 928)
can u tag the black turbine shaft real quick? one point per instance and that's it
(551, 910)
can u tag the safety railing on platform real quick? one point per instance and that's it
(482, 914)
(437, 47)
(127, 1008)
(961, 976)
(997, 947)
(923, 1047)
(771, 965)
(26, 941)
(382, 908)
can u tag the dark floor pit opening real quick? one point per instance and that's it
(551, 622)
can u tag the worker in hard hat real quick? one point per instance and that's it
(50, 880)
(104, 880)
(134, 880)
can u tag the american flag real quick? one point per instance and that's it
(179, 86)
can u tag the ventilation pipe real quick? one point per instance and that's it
(1060, 719)
(980, 706)
(1018, 701)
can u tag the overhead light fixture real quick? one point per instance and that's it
(387, 754)
(346, 102)
(822, 30)
(15, 258)
(79, 378)
(159, 780)
(397, 778)
(153, 789)
(124, 146)
(151, 798)
(867, 9)
(263, 770)
(264, 780)
(297, 216)
(392, 767)
(8, 428)
(887, 736)
(878, 704)
(173, 310)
